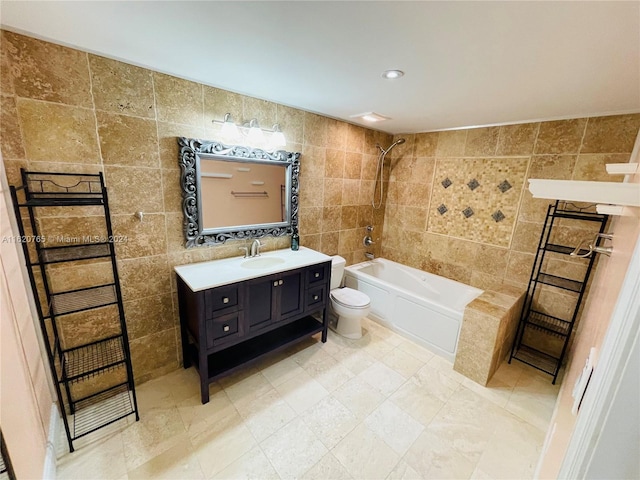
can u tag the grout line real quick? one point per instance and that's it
(584, 134)
(164, 213)
(95, 117)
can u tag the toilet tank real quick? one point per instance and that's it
(337, 270)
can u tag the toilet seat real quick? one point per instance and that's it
(350, 298)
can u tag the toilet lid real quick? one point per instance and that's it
(349, 297)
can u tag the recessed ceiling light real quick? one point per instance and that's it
(391, 74)
(371, 117)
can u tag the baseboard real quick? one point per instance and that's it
(49, 470)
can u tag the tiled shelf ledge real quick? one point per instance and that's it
(488, 327)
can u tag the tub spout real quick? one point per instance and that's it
(369, 255)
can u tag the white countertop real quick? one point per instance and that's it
(205, 275)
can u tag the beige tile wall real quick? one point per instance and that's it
(479, 250)
(65, 110)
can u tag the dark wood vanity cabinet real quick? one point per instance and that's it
(274, 298)
(225, 327)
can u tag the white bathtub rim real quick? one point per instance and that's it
(352, 269)
(448, 311)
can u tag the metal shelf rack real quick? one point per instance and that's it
(536, 324)
(93, 377)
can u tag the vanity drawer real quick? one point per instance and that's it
(224, 329)
(318, 274)
(315, 297)
(218, 299)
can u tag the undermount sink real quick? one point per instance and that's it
(262, 262)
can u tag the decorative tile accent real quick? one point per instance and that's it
(442, 209)
(504, 186)
(498, 216)
(446, 183)
(473, 184)
(467, 212)
(483, 201)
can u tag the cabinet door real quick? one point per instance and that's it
(260, 304)
(290, 294)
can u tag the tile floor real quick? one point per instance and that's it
(380, 407)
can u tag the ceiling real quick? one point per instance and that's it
(466, 63)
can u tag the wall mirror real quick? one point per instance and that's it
(235, 192)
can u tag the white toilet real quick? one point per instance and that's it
(348, 306)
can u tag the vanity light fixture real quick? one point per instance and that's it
(392, 74)
(251, 134)
(370, 117)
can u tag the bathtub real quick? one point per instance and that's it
(419, 305)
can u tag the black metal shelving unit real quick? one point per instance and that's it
(6, 469)
(93, 376)
(537, 324)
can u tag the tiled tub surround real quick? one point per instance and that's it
(458, 204)
(377, 407)
(64, 110)
(488, 329)
(435, 177)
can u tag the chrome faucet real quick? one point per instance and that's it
(255, 248)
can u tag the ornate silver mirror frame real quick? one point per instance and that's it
(191, 150)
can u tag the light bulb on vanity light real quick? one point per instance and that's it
(255, 137)
(229, 131)
(277, 137)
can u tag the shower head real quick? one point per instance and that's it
(400, 141)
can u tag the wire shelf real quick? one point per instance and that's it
(101, 410)
(537, 359)
(83, 299)
(86, 361)
(74, 252)
(550, 247)
(578, 212)
(60, 200)
(44, 189)
(560, 282)
(553, 325)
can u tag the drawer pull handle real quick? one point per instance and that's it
(280, 282)
(315, 297)
(225, 299)
(275, 284)
(225, 328)
(317, 274)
